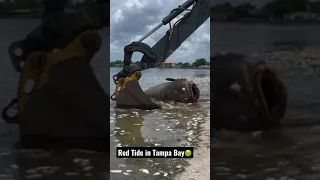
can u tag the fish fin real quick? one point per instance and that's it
(170, 79)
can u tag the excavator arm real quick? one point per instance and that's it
(128, 92)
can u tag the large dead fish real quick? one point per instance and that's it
(246, 94)
(178, 90)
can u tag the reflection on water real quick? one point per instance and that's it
(175, 124)
(73, 164)
(292, 151)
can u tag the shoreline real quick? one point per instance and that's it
(199, 168)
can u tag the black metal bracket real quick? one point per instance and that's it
(151, 59)
(146, 50)
(10, 119)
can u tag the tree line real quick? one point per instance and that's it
(275, 8)
(7, 6)
(197, 63)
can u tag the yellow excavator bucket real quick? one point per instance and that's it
(129, 94)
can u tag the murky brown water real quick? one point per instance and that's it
(175, 124)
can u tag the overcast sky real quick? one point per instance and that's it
(131, 19)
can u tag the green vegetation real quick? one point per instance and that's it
(31, 8)
(198, 63)
(281, 7)
(275, 9)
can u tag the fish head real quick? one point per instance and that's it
(182, 90)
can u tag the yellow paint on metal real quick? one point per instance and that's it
(121, 84)
(40, 75)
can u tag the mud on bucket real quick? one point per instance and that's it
(246, 95)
